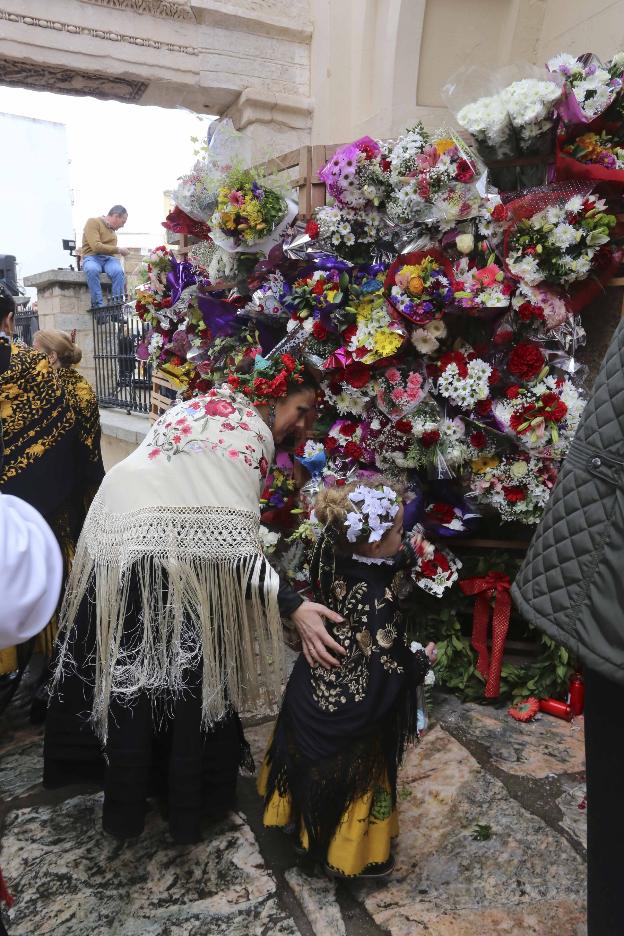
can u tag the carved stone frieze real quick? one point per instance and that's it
(67, 81)
(168, 9)
(75, 29)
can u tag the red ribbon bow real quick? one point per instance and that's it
(494, 585)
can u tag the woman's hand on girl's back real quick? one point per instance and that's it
(317, 642)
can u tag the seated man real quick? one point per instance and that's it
(99, 250)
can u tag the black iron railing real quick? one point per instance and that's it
(26, 324)
(120, 379)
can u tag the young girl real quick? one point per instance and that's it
(331, 769)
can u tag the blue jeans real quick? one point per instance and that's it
(95, 264)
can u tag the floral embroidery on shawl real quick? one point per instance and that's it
(188, 430)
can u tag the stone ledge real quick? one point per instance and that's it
(64, 277)
(129, 427)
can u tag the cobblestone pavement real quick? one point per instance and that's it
(521, 785)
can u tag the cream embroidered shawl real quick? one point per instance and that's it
(182, 511)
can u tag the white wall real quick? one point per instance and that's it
(35, 194)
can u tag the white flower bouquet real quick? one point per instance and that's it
(511, 115)
(557, 234)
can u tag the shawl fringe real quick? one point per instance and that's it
(174, 590)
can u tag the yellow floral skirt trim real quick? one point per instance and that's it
(363, 837)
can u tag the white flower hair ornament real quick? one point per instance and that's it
(375, 510)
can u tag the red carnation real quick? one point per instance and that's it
(555, 407)
(441, 513)
(454, 357)
(443, 563)
(331, 444)
(404, 426)
(386, 165)
(503, 337)
(528, 311)
(357, 375)
(513, 392)
(349, 333)
(525, 361)
(430, 438)
(428, 569)
(312, 229)
(523, 418)
(348, 429)
(369, 151)
(289, 362)
(319, 331)
(464, 171)
(478, 439)
(318, 288)
(483, 407)
(494, 377)
(234, 382)
(353, 450)
(499, 212)
(514, 494)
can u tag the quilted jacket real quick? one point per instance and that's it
(571, 584)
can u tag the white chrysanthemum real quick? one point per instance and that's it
(424, 342)
(565, 235)
(525, 268)
(436, 328)
(563, 59)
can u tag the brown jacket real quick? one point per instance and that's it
(97, 238)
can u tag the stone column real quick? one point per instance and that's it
(63, 301)
(275, 123)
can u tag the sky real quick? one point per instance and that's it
(118, 153)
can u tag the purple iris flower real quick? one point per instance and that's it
(257, 191)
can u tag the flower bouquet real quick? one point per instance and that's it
(432, 569)
(556, 234)
(349, 439)
(350, 390)
(399, 392)
(249, 215)
(350, 233)
(420, 285)
(376, 333)
(511, 125)
(315, 295)
(165, 301)
(590, 87)
(423, 440)
(596, 155)
(446, 519)
(481, 288)
(463, 379)
(434, 179)
(516, 486)
(357, 175)
(542, 417)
